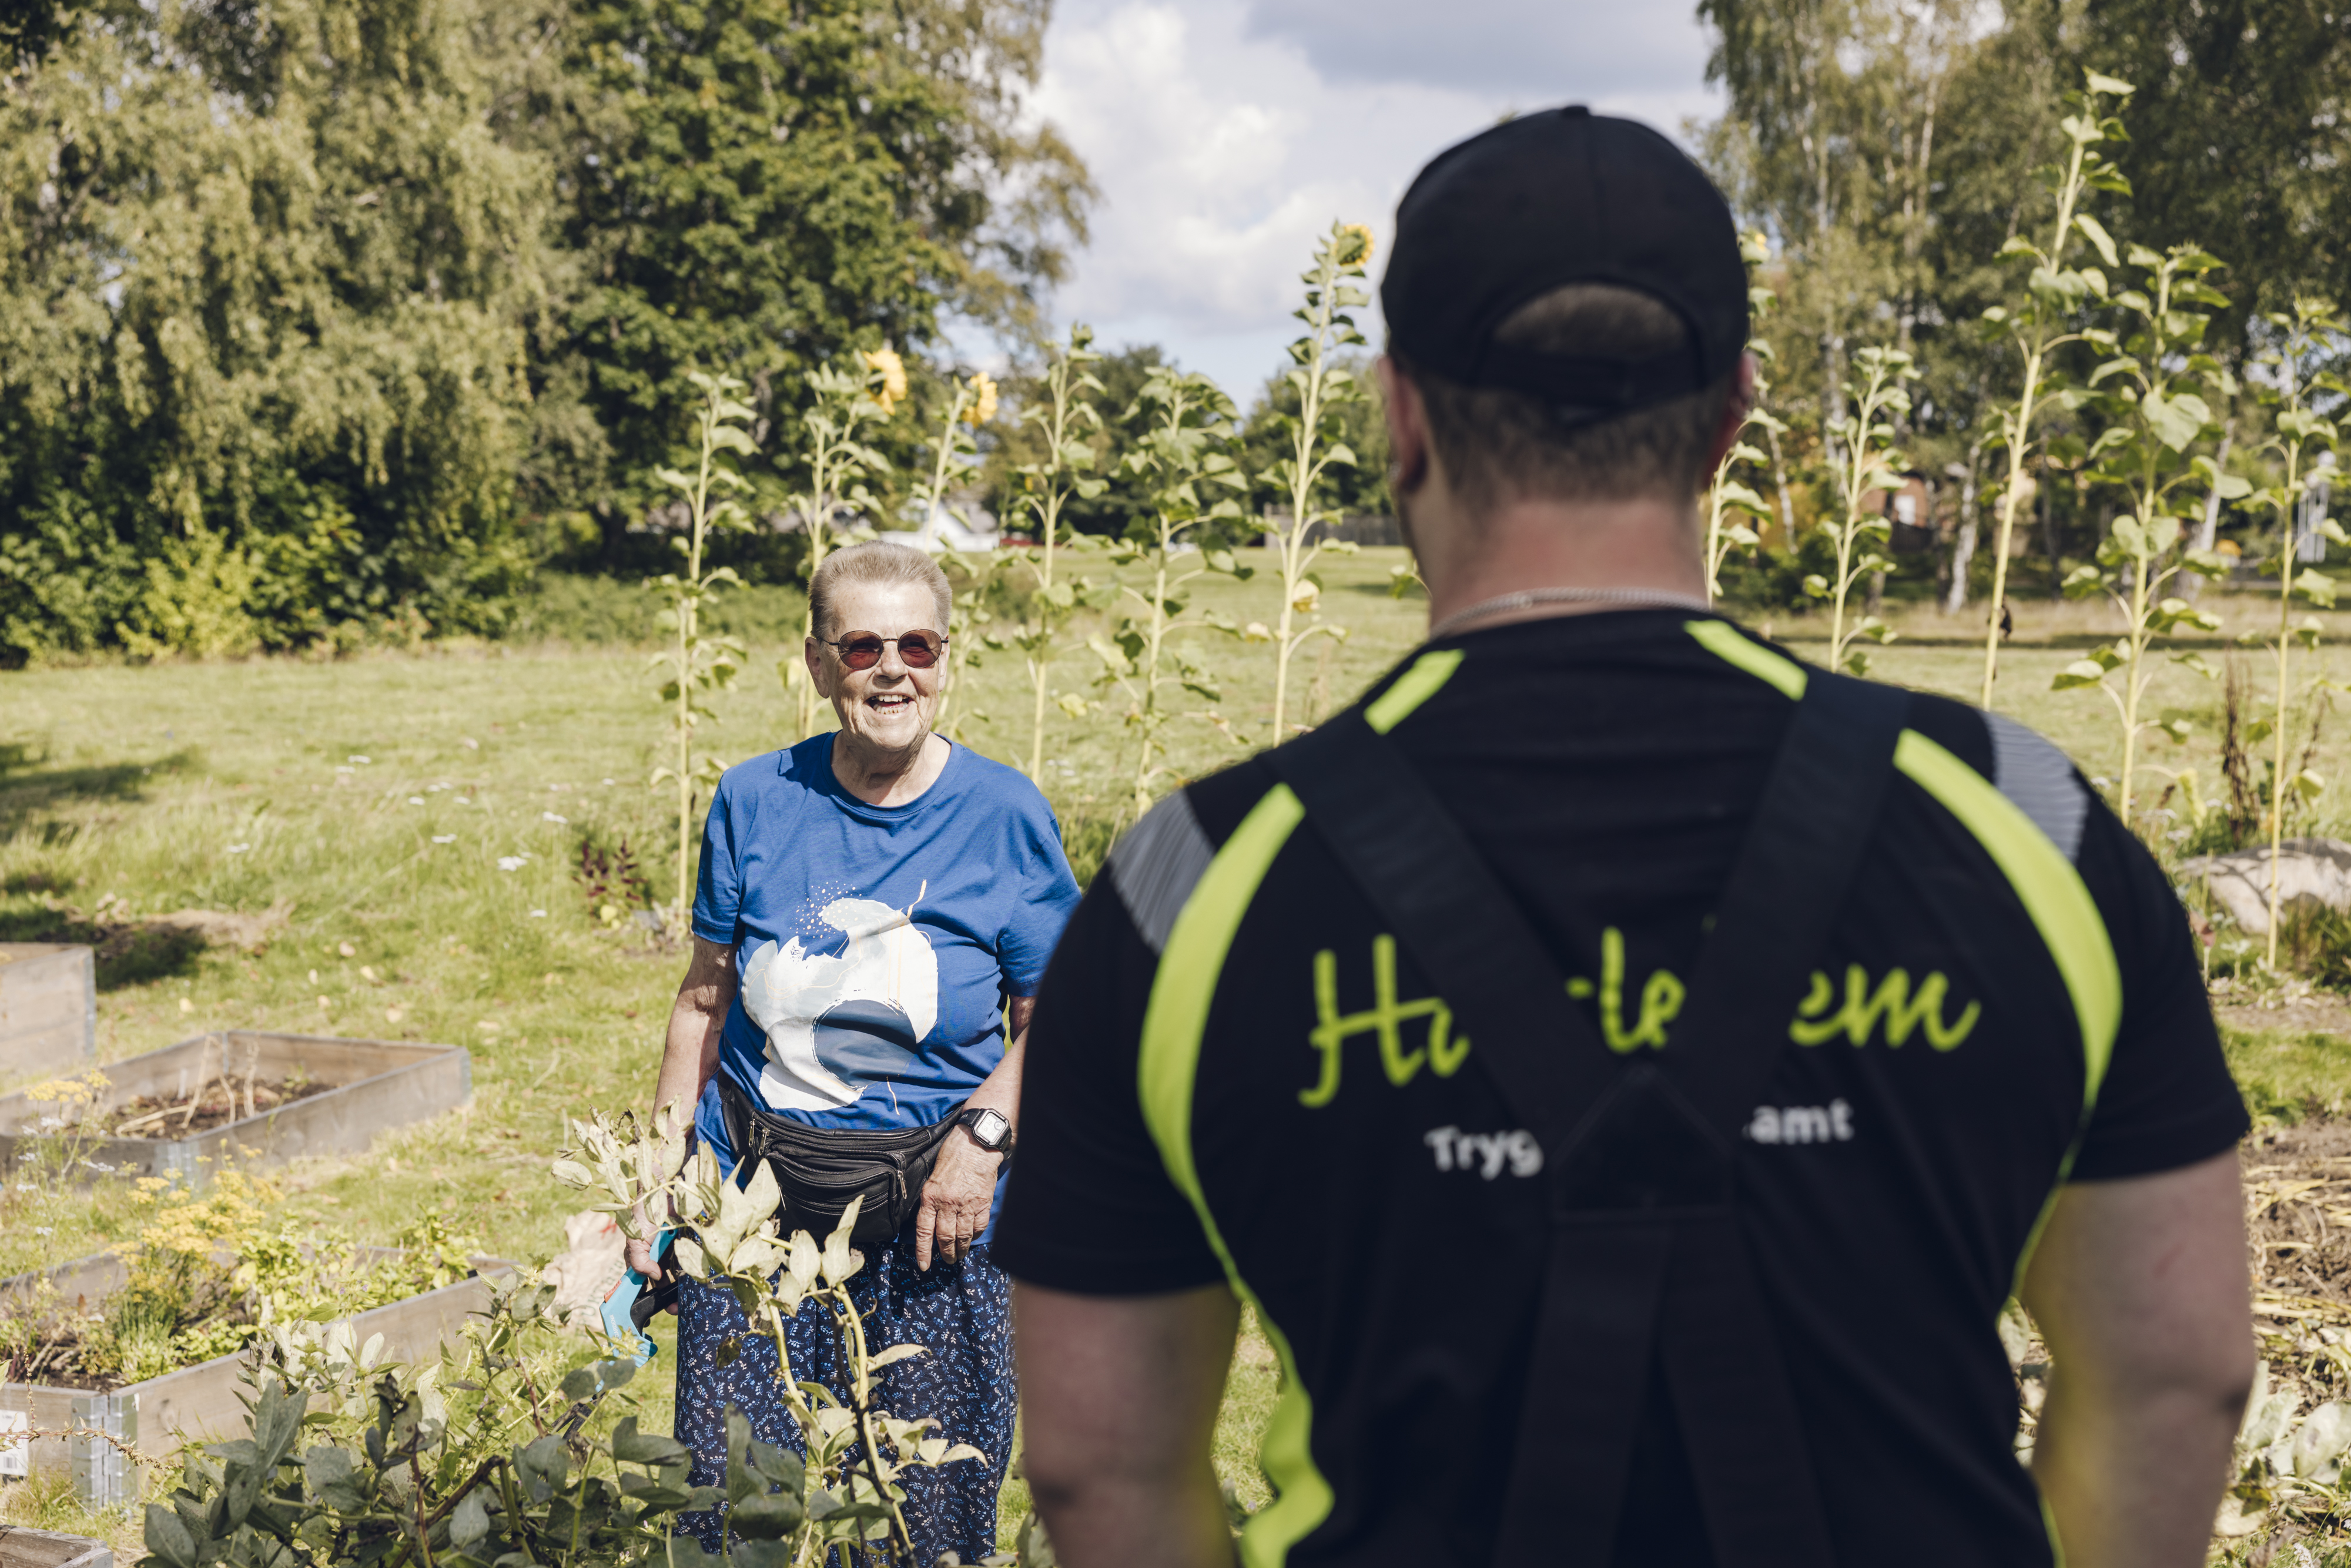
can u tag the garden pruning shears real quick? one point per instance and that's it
(629, 1306)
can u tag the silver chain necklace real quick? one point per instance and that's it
(1527, 598)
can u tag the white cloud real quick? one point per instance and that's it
(1226, 135)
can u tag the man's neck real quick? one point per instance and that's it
(1530, 544)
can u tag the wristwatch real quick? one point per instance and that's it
(991, 1130)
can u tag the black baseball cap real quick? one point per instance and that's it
(1548, 199)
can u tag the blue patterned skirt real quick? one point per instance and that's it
(962, 1316)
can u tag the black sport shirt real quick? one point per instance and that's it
(1234, 1073)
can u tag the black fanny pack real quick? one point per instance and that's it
(823, 1170)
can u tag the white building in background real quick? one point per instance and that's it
(2310, 510)
(957, 525)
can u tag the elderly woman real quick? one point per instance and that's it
(867, 898)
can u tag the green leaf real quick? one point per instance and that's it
(2080, 672)
(167, 1537)
(768, 1517)
(469, 1522)
(2098, 238)
(2174, 422)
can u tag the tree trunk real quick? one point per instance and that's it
(1963, 550)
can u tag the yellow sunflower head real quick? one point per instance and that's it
(891, 370)
(1354, 244)
(983, 400)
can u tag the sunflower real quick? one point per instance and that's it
(983, 404)
(885, 363)
(1354, 244)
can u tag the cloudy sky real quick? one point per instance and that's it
(1226, 135)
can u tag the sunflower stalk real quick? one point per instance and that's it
(1868, 464)
(2145, 454)
(1187, 458)
(2040, 321)
(843, 402)
(1324, 387)
(696, 664)
(2308, 333)
(1062, 417)
(1735, 512)
(970, 405)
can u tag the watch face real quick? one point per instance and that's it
(991, 1129)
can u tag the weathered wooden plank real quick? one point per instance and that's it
(25, 1548)
(49, 1009)
(378, 1084)
(201, 1404)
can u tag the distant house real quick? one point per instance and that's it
(1910, 507)
(961, 523)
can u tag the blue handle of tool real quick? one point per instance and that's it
(616, 1308)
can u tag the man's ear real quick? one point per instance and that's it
(814, 654)
(1735, 410)
(1407, 419)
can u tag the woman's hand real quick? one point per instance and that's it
(956, 1199)
(962, 1187)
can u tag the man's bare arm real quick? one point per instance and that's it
(690, 1054)
(2139, 1286)
(1119, 1398)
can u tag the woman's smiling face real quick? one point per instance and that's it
(887, 706)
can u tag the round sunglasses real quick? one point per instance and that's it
(862, 650)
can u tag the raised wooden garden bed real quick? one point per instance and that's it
(22, 1548)
(248, 1097)
(196, 1404)
(48, 1009)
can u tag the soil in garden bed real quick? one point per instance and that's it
(216, 1105)
(2298, 1209)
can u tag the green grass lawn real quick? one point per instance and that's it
(377, 797)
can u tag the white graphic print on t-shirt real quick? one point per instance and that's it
(838, 1025)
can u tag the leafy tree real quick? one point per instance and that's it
(759, 185)
(262, 325)
(2238, 129)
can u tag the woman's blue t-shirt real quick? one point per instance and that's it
(873, 944)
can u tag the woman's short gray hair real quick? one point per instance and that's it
(880, 562)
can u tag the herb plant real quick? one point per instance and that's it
(492, 1454)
